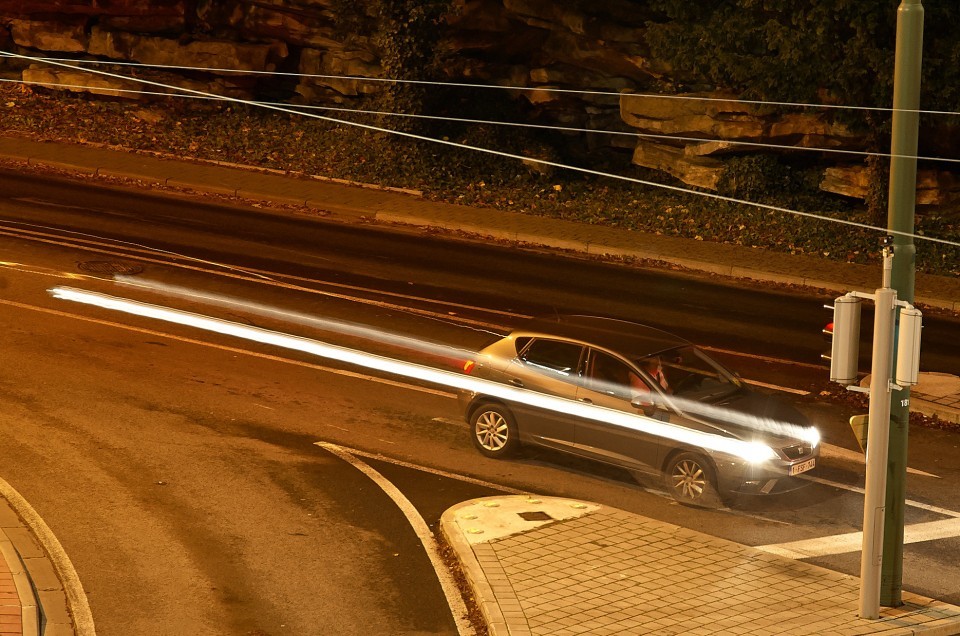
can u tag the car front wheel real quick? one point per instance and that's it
(691, 480)
(494, 431)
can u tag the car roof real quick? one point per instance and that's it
(623, 336)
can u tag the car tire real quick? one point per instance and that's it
(494, 431)
(691, 480)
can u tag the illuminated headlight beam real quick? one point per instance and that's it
(749, 451)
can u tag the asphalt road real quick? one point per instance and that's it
(761, 319)
(180, 468)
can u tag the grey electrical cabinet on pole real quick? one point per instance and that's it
(845, 347)
(908, 346)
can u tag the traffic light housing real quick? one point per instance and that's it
(845, 340)
(908, 346)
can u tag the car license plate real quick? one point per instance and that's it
(803, 467)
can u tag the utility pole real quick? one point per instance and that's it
(878, 435)
(900, 218)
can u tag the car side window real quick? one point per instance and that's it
(557, 358)
(607, 374)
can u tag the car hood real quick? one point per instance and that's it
(751, 416)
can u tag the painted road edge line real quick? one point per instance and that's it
(457, 606)
(853, 541)
(839, 452)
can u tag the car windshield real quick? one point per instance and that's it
(689, 372)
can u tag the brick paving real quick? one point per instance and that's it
(11, 621)
(11, 608)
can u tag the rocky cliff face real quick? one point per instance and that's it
(595, 48)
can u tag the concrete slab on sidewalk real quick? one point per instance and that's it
(606, 571)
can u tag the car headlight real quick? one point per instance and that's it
(756, 453)
(811, 435)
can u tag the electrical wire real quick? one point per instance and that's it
(554, 164)
(546, 89)
(732, 142)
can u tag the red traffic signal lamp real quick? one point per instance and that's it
(844, 333)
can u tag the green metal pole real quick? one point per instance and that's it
(900, 218)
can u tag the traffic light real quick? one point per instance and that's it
(844, 332)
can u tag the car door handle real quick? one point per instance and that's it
(517, 382)
(586, 400)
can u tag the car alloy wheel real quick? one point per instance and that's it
(494, 431)
(690, 480)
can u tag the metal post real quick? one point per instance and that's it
(900, 218)
(871, 558)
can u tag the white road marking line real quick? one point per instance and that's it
(436, 471)
(838, 452)
(857, 489)
(264, 356)
(76, 598)
(457, 607)
(834, 544)
(853, 541)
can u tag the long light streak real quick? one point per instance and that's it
(749, 451)
(715, 413)
(325, 324)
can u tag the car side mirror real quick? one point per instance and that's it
(644, 404)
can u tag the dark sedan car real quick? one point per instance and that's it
(638, 398)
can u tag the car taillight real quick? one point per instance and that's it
(468, 366)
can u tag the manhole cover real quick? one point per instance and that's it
(535, 516)
(110, 267)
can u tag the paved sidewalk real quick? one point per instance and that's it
(557, 567)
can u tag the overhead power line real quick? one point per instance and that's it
(545, 162)
(547, 89)
(491, 122)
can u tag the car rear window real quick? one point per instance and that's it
(562, 358)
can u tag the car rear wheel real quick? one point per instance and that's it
(494, 431)
(691, 480)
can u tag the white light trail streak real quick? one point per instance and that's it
(750, 451)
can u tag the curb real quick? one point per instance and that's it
(59, 594)
(600, 249)
(932, 409)
(483, 592)
(31, 612)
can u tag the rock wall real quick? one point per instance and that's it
(593, 47)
